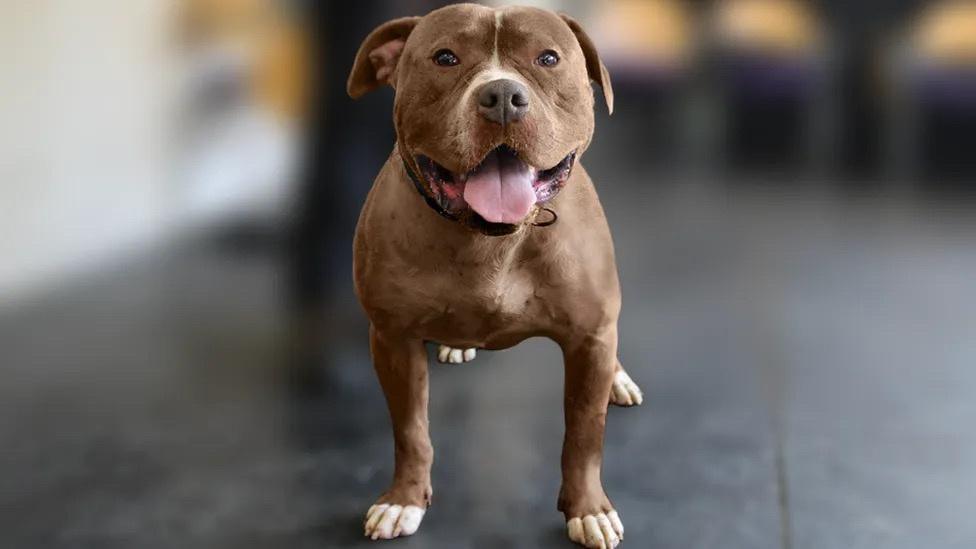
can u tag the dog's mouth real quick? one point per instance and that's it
(500, 192)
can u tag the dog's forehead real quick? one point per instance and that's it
(461, 19)
(520, 22)
(473, 22)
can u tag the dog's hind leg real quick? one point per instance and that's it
(401, 366)
(625, 392)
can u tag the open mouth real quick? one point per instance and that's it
(503, 189)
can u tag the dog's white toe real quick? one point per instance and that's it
(443, 352)
(625, 392)
(456, 356)
(602, 531)
(386, 521)
(451, 355)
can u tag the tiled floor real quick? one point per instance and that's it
(808, 357)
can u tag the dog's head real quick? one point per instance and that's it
(493, 106)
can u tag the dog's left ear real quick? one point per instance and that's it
(594, 67)
(378, 56)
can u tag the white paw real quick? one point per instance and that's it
(603, 531)
(386, 521)
(625, 392)
(455, 356)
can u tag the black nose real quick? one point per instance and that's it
(503, 101)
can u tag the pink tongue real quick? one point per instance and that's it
(501, 190)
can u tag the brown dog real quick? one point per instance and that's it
(482, 230)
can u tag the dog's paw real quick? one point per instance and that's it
(447, 354)
(625, 392)
(603, 531)
(386, 521)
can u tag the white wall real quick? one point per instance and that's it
(84, 108)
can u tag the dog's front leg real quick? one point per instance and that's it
(401, 365)
(590, 365)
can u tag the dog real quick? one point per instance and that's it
(482, 229)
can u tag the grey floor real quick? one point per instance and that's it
(807, 354)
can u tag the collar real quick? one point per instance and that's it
(423, 192)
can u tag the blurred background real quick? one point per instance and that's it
(183, 363)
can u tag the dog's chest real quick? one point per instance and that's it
(490, 295)
(481, 292)
(457, 304)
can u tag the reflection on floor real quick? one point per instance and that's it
(806, 356)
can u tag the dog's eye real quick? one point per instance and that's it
(548, 58)
(446, 58)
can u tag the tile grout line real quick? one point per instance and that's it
(773, 389)
(773, 384)
(783, 491)
(771, 369)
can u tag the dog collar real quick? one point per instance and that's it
(423, 192)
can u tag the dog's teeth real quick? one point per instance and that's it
(456, 356)
(469, 355)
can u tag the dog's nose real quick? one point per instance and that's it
(503, 101)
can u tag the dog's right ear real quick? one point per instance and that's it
(378, 55)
